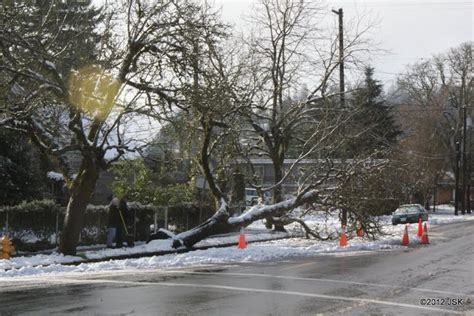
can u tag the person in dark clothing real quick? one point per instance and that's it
(113, 222)
(126, 220)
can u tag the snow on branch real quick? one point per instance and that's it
(259, 212)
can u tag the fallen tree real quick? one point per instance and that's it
(221, 222)
(314, 194)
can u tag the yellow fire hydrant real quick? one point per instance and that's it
(7, 248)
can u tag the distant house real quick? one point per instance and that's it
(446, 188)
(58, 189)
(264, 172)
(59, 192)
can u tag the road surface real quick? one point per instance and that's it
(421, 280)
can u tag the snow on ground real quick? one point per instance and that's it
(256, 252)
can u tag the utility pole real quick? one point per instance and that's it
(465, 194)
(468, 162)
(341, 55)
(469, 173)
(341, 81)
(456, 189)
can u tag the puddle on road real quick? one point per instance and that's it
(209, 270)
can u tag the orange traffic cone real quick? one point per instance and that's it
(405, 239)
(343, 239)
(360, 231)
(424, 237)
(420, 228)
(242, 241)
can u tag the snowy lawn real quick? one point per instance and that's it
(255, 252)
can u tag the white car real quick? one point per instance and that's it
(251, 197)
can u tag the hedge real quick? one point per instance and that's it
(32, 225)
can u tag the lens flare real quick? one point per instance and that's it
(93, 91)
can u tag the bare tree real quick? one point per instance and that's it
(433, 95)
(293, 64)
(264, 114)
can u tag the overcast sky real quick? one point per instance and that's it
(410, 30)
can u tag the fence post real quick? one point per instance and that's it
(155, 221)
(57, 227)
(135, 224)
(166, 217)
(187, 218)
(6, 225)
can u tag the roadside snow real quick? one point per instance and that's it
(255, 252)
(265, 251)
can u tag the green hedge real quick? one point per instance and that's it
(32, 225)
(31, 222)
(95, 222)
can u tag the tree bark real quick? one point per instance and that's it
(80, 196)
(278, 170)
(278, 162)
(217, 224)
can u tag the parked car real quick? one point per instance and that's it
(409, 213)
(251, 197)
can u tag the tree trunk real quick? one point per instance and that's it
(80, 196)
(220, 222)
(217, 224)
(277, 193)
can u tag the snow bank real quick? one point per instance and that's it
(37, 260)
(255, 252)
(265, 251)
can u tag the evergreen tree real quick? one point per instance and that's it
(373, 130)
(21, 169)
(73, 23)
(45, 46)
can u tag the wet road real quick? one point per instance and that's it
(388, 283)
